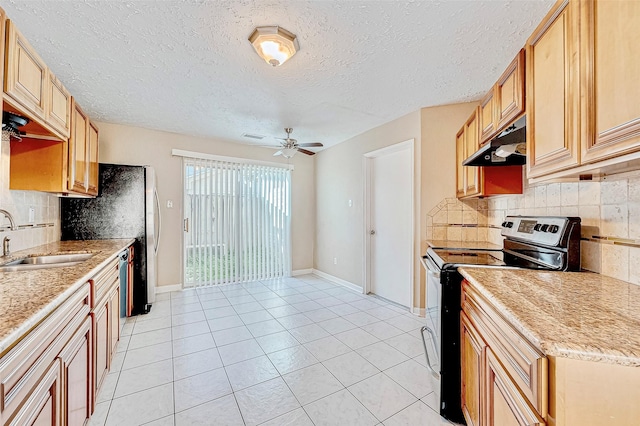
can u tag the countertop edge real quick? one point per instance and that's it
(36, 318)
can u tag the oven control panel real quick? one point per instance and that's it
(537, 229)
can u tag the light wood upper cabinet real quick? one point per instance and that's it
(78, 150)
(460, 157)
(472, 143)
(553, 92)
(487, 116)
(504, 103)
(509, 92)
(32, 90)
(610, 31)
(59, 106)
(26, 74)
(93, 159)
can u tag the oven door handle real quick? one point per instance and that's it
(426, 352)
(430, 266)
(532, 260)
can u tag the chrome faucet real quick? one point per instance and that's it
(11, 220)
(5, 246)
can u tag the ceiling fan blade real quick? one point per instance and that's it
(277, 153)
(304, 151)
(311, 144)
(269, 146)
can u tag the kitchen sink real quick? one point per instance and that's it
(44, 262)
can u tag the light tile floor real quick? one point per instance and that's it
(296, 351)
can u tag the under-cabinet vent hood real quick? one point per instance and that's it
(507, 149)
(11, 124)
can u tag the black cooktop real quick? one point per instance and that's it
(446, 258)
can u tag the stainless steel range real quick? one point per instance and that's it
(531, 242)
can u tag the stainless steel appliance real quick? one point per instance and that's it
(127, 206)
(531, 242)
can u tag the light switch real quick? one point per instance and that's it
(169, 204)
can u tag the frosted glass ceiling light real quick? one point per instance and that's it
(274, 44)
(289, 152)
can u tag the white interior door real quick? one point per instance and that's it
(391, 225)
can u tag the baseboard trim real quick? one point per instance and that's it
(418, 311)
(301, 272)
(168, 288)
(340, 281)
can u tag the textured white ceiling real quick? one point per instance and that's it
(187, 67)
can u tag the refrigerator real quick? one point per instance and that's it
(127, 206)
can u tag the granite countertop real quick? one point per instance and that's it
(27, 297)
(578, 315)
(451, 244)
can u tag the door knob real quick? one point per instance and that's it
(372, 232)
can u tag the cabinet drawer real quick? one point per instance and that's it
(524, 363)
(23, 366)
(103, 281)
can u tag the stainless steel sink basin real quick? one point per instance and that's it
(44, 262)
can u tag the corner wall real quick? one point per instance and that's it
(137, 146)
(340, 178)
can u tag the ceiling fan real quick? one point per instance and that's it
(289, 146)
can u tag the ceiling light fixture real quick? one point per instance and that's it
(289, 152)
(274, 44)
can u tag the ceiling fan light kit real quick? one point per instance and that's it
(289, 146)
(274, 44)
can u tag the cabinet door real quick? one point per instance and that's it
(487, 116)
(114, 320)
(42, 408)
(472, 353)
(78, 150)
(504, 405)
(93, 159)
(26, 73)
(472, 144)
(460, 173)
(611, 66)
(553, 92)
(77, 363)
(102, 345)
(59, 107)
(509, 90)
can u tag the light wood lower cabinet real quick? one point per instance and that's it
(504, 404)
(43, 407)
(473, 351)
(77, 364)
(503, 376)
(52, 375)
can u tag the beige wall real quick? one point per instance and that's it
(340, 178)
(137, 146)
(439, 127)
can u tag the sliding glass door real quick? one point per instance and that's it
(237, 222)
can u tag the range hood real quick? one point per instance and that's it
(11, 124)
(507, 149)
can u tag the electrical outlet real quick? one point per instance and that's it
(335, 260)
(169, 204)
(32, 215)
(350, 203)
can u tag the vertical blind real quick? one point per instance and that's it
(238, 222)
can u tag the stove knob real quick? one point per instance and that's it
(544, 228)
(504, 224)
(554, 229)
(537, 227)
(509, 224)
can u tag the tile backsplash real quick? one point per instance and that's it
(44, 228)
(609, 208)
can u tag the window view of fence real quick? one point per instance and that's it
(237, 221)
